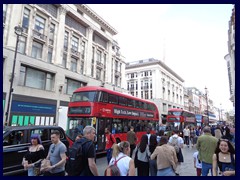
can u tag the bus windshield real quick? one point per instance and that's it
(83, 96)
(175, 113)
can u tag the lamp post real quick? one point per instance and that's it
(18, 31)
(207, 105)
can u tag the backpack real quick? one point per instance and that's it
(75, 161)
(113, 170)
(174, 143)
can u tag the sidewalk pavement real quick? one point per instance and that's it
(187, 167)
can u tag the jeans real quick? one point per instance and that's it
(186, 140)
(205, 168)
(31, 172)
(153, 167)
(109, 155)
(166, 172)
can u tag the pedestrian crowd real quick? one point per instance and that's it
(154, 155)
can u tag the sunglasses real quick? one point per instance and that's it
(226, 140)
(52, 150)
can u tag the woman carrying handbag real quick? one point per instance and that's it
(32, 159)
(142, 152)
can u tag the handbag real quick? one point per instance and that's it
(136, 161)
(36, 168)
(44, 164)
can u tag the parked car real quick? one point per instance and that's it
(16, 140)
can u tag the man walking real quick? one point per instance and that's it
(57, 156)
(186, 134)
(110, 140)
(89, 152)
(131, 138)
(176, 140)
(206, 145)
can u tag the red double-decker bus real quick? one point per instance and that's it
(202, 120)
(179, 118)
(101, 108)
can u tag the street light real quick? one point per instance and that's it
(207, 105)
(18, 31)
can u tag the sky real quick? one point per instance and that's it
(191, 39)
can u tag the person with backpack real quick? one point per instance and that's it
(177, 142)
(83, 162)
(110, 140)
(224, 158)
(121, 164)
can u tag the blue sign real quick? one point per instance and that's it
(198, 117)
(26, 107)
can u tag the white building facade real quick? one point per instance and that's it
(153, 80)
(62, 47)
(230, 57)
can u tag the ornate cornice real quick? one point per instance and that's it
(98, 18)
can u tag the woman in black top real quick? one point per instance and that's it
(152, 162)
(34, 155)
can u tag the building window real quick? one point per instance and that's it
(50, 53)
(72, 85)
(51, 34)
(25, 22)
(116, 65)
(116, 81)
(82, 67)
(36, 78)
(142, 94)
(74, 65)
(146, 73)
(37, 49)
(99, 54)
(146, 94)
(39, 24)
(104, 59)
(151, 94)
(75, 41)
(4, 12)
(83, 49)
(66, 41)
(136, 93)
(98, 74)
(132, 75)
(163, 92)
(64, 60)
(22, 44)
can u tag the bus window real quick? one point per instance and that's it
(113, 99)
(117, 125)
(137, 104)
(83, 96)
(130, 102)
(126, 128)
(104, 97)
(122, 101)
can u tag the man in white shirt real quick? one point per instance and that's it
(179, 154)
(186, 135)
